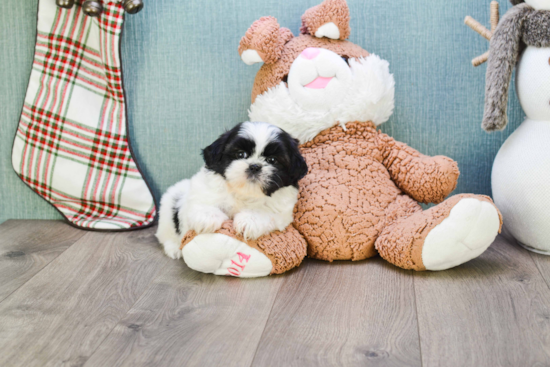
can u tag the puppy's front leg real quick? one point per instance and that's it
(205, 219)
(252, 225)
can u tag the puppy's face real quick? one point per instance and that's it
(256, 158)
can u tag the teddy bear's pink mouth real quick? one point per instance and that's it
(319, 83)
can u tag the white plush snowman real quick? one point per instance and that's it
(521, 171)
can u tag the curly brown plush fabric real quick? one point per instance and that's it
(270, 75)
(425, 179)
(362, 192)
(335, 11)
(266, 38)
(354, 177)
(286, 249)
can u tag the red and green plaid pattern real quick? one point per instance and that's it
(71, 145)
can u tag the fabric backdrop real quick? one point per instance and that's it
(185, 82)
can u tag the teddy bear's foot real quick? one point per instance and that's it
(450, 234)
(466, 233)
(220, 254)
(226, 253)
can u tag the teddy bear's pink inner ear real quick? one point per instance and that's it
(264, 41)
(330, 19)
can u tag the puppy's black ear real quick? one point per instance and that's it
(213, 154)
(298, 165)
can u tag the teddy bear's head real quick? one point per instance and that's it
(318, 79)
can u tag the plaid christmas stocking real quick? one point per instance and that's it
(71, 146)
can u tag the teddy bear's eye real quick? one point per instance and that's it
(271, 160)
(242, 155)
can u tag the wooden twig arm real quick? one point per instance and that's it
(480, 60)
(478, 27)
(483, 31)
(495, 15)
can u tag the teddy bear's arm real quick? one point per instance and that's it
(425, 179)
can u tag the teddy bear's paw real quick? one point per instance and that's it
(223, 255)
(470, 228)
(172, 250)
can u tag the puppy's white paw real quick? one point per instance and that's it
(172, 250)
(207, 220)
(223, 255)
(466, 233)
(215, 222)
(252, 226)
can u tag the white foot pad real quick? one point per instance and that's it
(470, 229)
(223, 255)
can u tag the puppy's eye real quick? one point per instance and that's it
(242, 155)
(271, 160)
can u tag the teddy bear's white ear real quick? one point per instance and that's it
(330, 19)
(251, 57)
(329, 30)
(264, 41)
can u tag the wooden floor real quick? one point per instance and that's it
(75, 298)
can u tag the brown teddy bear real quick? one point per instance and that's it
(362, 193)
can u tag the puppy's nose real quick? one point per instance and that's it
(254, 168)
(310, 53)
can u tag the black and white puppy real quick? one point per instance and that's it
(251, 175)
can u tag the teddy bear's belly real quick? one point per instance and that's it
(341, 208)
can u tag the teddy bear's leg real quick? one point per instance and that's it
(442, 237)
(226, 253)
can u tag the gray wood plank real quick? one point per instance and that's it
(492, 311)
(343, 314)
(62, 315)
(27, 246)
(543, 264)
(191, 319)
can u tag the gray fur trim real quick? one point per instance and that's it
(521, 23)
(536, 29)
(504, 53)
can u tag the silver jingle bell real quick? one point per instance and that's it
(132, 6)
(67, 4)
(92, 8)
